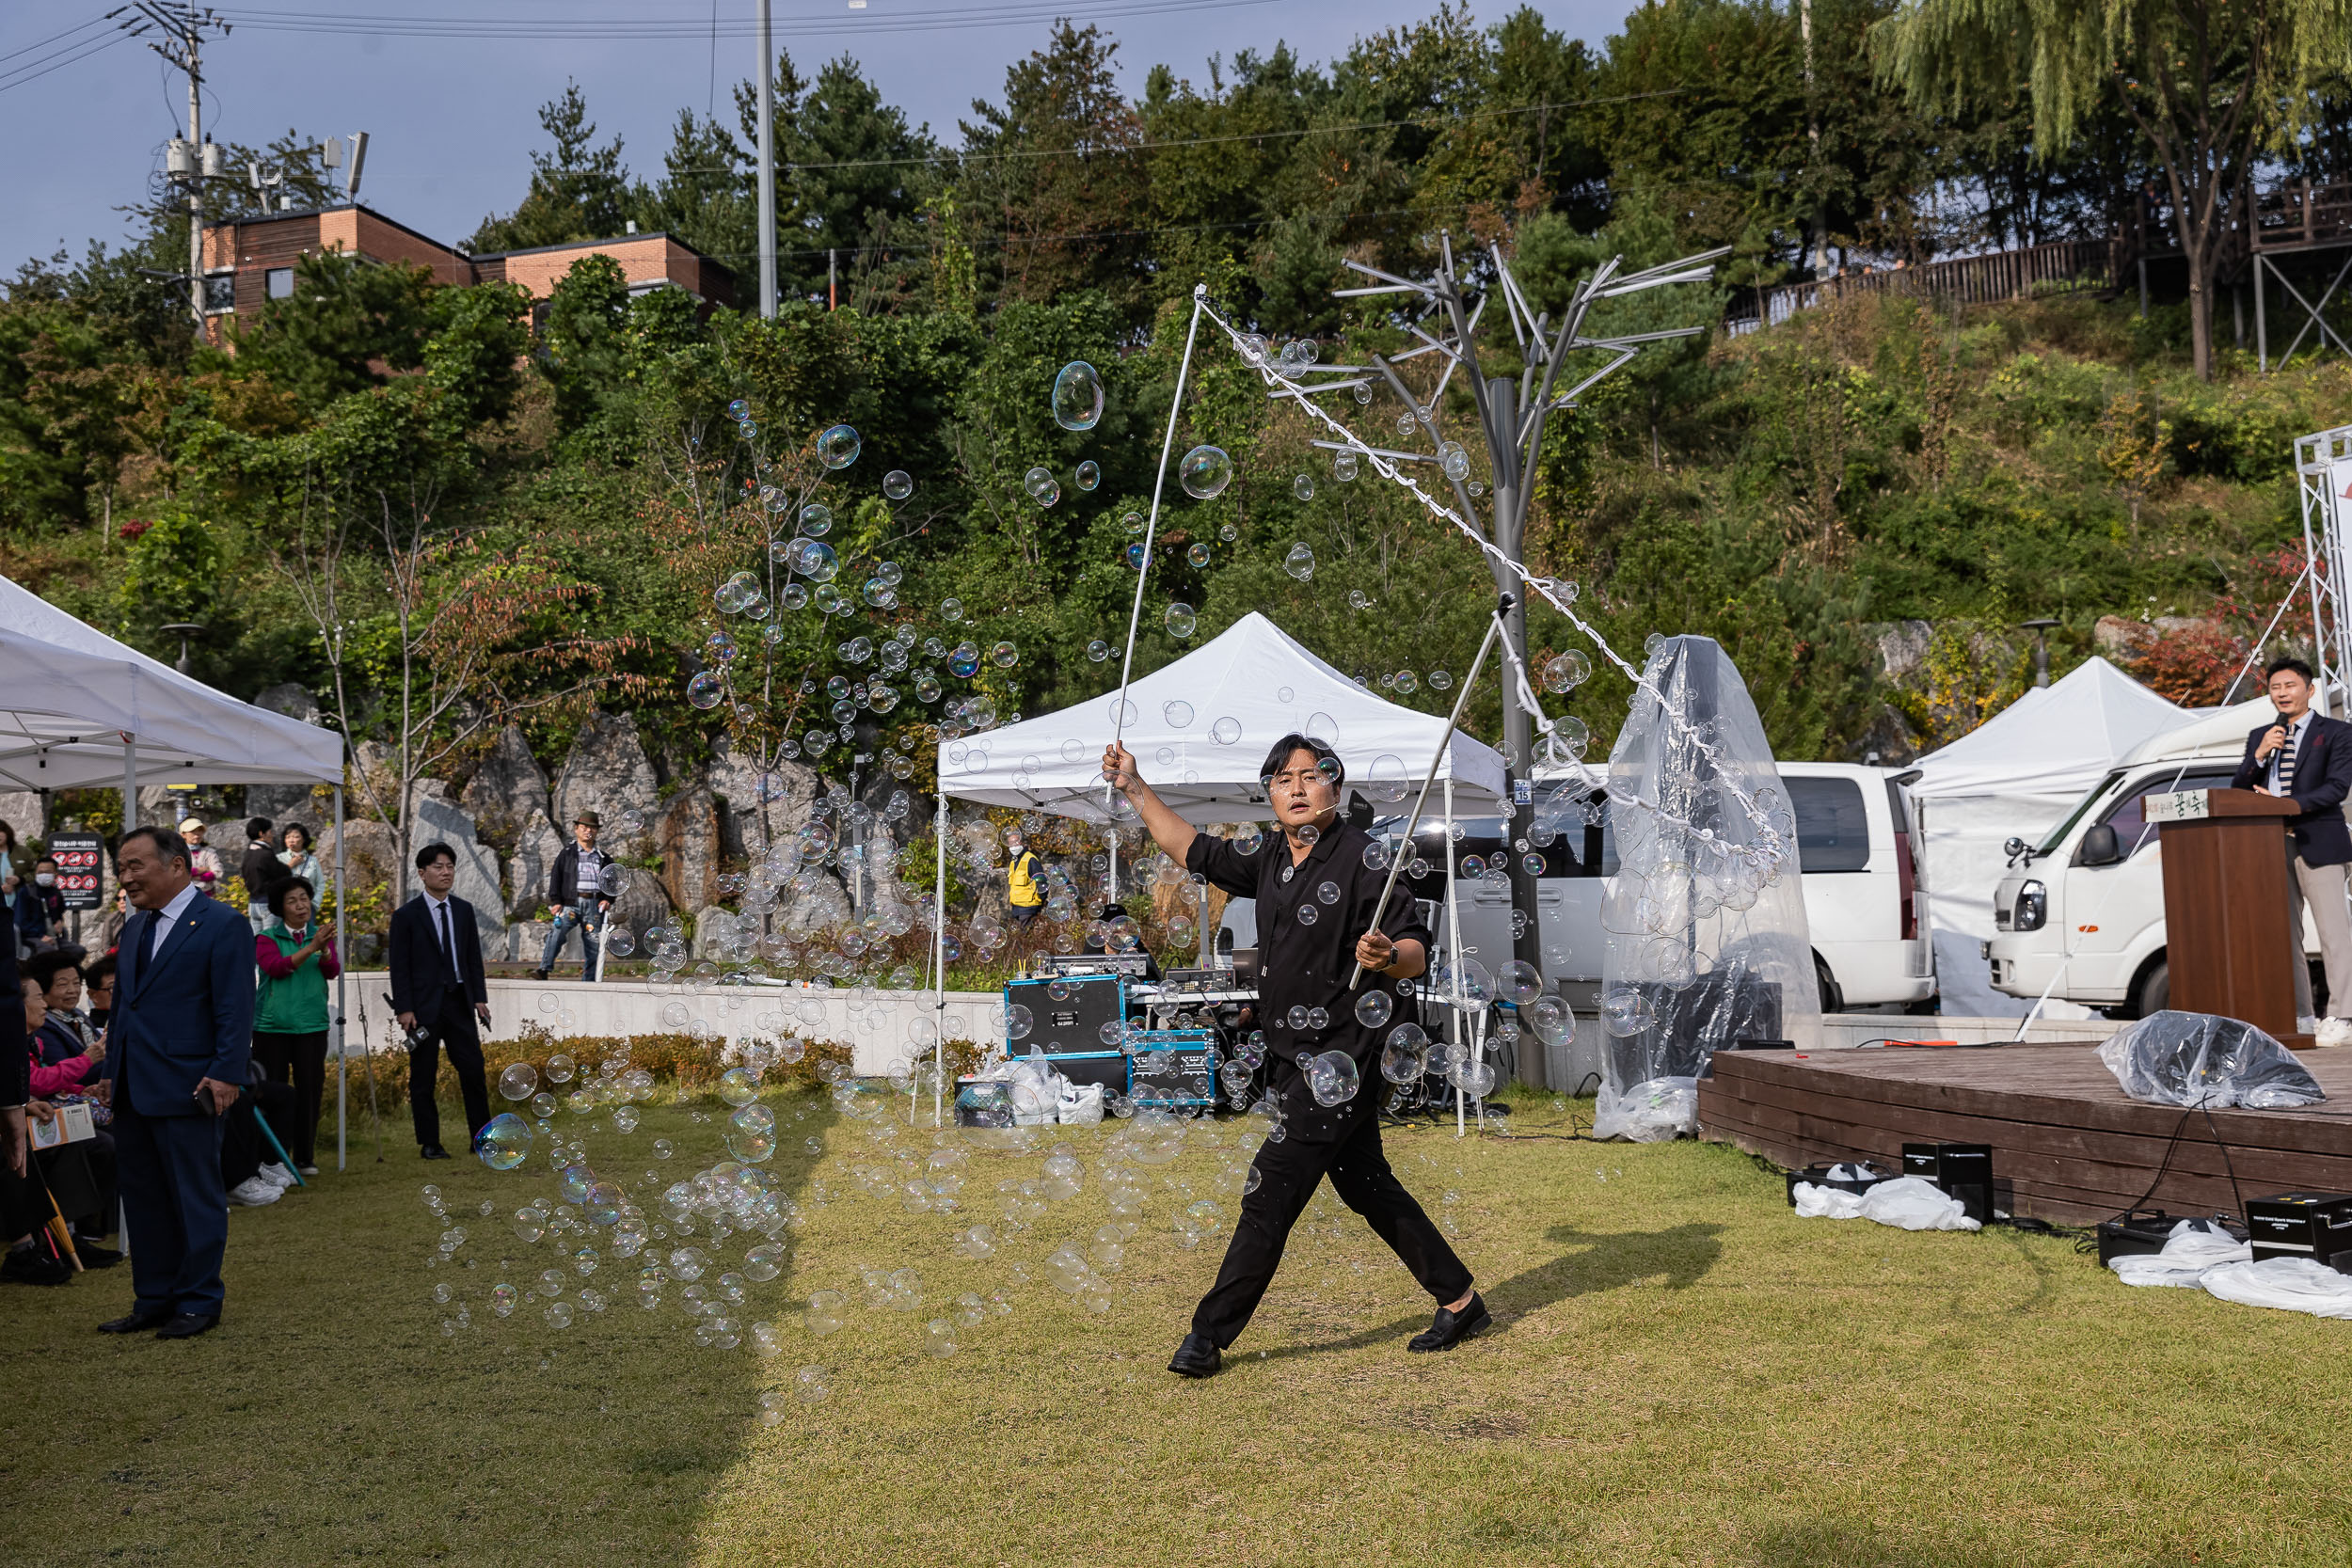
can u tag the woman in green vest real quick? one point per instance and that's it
(297, 960)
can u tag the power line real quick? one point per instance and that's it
(58, 59)
(83, 27)
(1015, 13)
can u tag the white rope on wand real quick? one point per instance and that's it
(1151, 530)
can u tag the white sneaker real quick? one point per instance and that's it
(278, 1176)
(2333, 1031)
(253, 1193)
(2306, 1025)
(310, 1170)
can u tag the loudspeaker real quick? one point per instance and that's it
(2317, 1225)
(1963, 1171)
(1072, 1021)
(1188, 1079)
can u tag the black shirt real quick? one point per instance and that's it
(1307, 964)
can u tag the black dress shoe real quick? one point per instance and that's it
(1197, 1356)
(95, 1255)
(137, 1322)
(187, 1325)
(434, 1151)
(1451, 1328)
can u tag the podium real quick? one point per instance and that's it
(2227, 938)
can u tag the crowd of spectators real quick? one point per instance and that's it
(58, 1204)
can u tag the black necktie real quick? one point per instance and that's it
(449, 947)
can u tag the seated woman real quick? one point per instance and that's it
(81, 1175)
(67, 1031)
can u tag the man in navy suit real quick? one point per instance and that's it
(2308, 757)
(177, 1046)
(439, 993)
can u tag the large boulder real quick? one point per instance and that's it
(536, 845)
(436, 819)
(506, 794)
(291, 802)
(20, 810)
(606, 772)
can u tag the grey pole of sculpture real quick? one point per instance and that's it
(1511, 413)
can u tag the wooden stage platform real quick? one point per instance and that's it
(2066, 1145)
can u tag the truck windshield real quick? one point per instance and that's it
(2058, 836)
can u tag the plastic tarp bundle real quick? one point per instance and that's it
(1704, 925)
(2289, 1283)
(2200, 1060)
(1908, 1203)
(2192, 1248)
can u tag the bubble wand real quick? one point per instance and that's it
(1445, 744)
(1151, 530)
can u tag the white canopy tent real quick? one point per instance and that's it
(80, 710)
(1201, 727)
(2016, 774)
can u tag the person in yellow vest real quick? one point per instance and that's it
(1021, 875)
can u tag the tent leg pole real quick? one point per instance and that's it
(938, 968)
(342, 1073)
(1454, 948)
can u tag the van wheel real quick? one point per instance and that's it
(1832, 1000)
(2153, 991)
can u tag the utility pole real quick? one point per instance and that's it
(1813, 133)
(180, 42)
(767, 168)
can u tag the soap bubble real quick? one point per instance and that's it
(737, 1087)
(765, 1262)
(1439, 680)
(1332, 1078)
(1017, 1022)
(1475, 1079)
(815, 519)
(811, 1385)
(939, 1337)
(1403, 1060)
(1625, 1011)
(1550, 1019)
(739, 410)
(519, 1082)
(898, 485)
(1205, 472)
(1077, 400)
(1386, 780)
(1307, 914)
(505, 1140)
(1178, 713)
(708, 689)
(1564, 672)
(1301, 563)
(1225, 732)
(1088, 475)
(1520, 982)
(1180, 620)
(1344, 465)
(838, 448)
(1304, 487)
(813, 559)
(1454, 460)
(965, 660)
(1198, 554)
(1098, 650)
(1042, 486)
(1004, 656)
(559, 1314)
(1373, 1007)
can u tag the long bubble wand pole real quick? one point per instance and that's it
(1151, 531)
(1436, 760)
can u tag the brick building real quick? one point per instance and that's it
(250, 262)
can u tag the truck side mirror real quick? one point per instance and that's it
(2098, 846)
(2014, 849)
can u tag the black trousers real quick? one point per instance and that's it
(455, 1032)
(1288, 1172)
(300, 1061)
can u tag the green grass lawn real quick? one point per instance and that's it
(1681, 1372)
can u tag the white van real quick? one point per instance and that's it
(1864, 899)
(2083, 903)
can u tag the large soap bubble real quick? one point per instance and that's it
(1332, 1078)
(505, 1142)
(519, 1082)
(1077, 396)
(1373, 1008)
(898, 485)
(838, 448)
(1301, 563)
(813, 559)
(1205, 472)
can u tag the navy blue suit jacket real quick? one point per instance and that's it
(186, 1014)
(2322, 778)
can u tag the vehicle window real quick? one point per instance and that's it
(1833, 827)
(2057, 835)
(2127, 818)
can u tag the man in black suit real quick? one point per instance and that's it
(439, 993)
(2308, 757)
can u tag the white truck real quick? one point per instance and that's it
(2080, 915)
(1864, 899)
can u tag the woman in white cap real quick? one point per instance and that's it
(204, 864)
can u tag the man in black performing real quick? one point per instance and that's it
(1315, 896)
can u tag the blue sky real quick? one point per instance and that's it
(452, 120)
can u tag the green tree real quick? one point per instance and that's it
(2209, 85)
(579, 191)
(348, 326)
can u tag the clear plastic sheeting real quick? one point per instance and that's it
(1651, 1112)
(2288, 1284)
(1707, 943)
(1908, 1203)
(2210, 1063)
(2192, 1248)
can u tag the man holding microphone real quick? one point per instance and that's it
(2306, 757)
